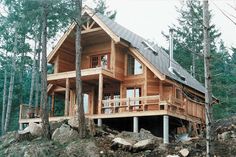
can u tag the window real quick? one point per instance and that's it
(133, 92)
(86, 103)
(106, 104)
(178, 94)
(134, 66)
(102, 60)
(117, 96)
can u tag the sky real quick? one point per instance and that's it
(149, 18)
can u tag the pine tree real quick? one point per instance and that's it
(188, 46)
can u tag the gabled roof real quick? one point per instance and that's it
(160, 62)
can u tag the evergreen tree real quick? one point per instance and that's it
(188, 45)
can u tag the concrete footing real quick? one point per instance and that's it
(99, 122)
(165, 129)
(135, 124)
(20, 126)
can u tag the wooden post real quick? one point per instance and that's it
(161, 90)
(100, 93)
(53, 103)
(67, 96)
(92, 102)
(56, 65)
(112, 64)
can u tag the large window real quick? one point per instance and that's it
(102, 60)
(133, 92)
(86, 102)
(134, 66)
(178, 94)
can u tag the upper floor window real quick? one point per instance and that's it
(134, 66)
(178, 94)
(101, 60)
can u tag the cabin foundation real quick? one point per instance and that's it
(99, 122)
(165, 129)
(135, 124)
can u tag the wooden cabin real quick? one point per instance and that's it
(127, 83)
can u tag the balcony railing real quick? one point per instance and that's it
(27, 112)
(131, 104)
(153, 103)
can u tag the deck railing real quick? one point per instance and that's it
(131, 104)
(153, 103)
(27, 112)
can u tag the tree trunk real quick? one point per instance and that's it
(208, 93)
(38, 74)
(45, 119)
(21, 75)
(11, 86)
(33, 75)
(4, 98)
(79, 101)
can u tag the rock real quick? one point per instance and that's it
(121, 143)
(64, 134)
(82, 148)
(35, 129)
(184, 152)
(135, 137)
(91, 127)
(233, 135)
(24, 136)
(162, 147)
(7, 139)
(172, 155)
(224, 136)
(24, 131)
(143, 145)
(55, 124)
(74, 122)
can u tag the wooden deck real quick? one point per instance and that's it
(128, 107)
(84, 73)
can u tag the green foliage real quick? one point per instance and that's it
(26, 15)
(101, 7)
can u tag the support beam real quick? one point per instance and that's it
(67, 97)
(92, 101)
(100, 93)
(20, 126)
(165, 129)
(161, 90)
(99, 122)
(53, 104)
(135, 124)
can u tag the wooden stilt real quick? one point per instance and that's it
(100, 93)
(53, 104)
(67, 97)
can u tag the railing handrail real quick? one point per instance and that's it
(143, 98)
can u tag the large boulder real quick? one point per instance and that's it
(121, 143)
(74, 122)
(35, 129)
(56, 124)
(147, 144)
(142, 135)
(64, 134)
